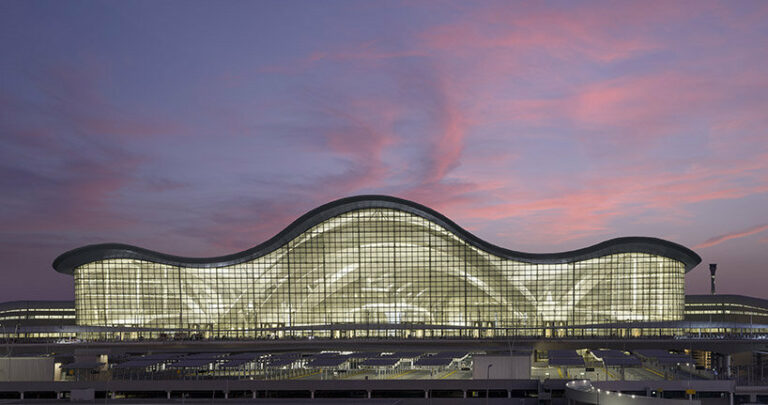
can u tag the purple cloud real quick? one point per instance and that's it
(537, 127)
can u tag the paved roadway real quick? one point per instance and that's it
(644, 373)
(717, 345)
(450, 374)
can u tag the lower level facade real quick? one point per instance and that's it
(37, 320)
(726, 308)
(376, 266)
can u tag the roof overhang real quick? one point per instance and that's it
(67, 262)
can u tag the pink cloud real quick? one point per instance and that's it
(625, 117)
(489, 47)
(371, 127)
(448, 145)
(579, 32)
(733, 235)
(629, 101)
(363, 131)
(590, 208)
(650, 105)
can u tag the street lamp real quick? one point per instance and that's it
(488, 377)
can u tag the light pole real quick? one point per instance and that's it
(488, 378)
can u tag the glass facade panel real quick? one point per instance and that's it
(377, 272)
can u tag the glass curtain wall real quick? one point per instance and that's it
(380, 272)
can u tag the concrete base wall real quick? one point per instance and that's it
(501, 367)
(26, 369)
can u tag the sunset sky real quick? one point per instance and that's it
(204, 128)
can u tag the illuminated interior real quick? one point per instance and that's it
(726, 308)
(36, 319)
(380, 272)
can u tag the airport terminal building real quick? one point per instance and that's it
(383, 299)
(379, 266)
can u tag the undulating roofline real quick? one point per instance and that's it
(67, 262)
